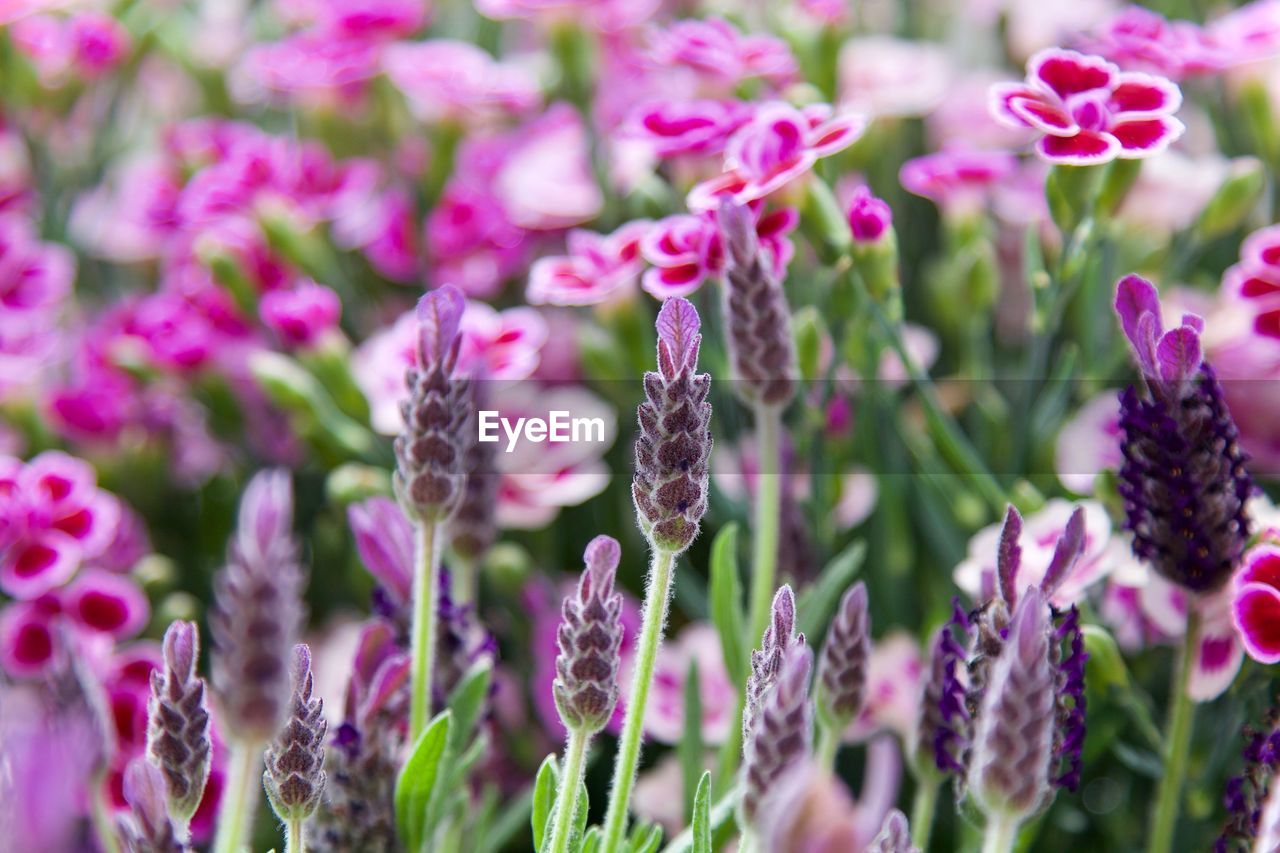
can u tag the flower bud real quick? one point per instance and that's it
(842, 668)
(178, 722)
(766, 662)
(590, 640)
(782, 732)
(294, 776)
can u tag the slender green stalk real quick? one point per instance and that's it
(1164, 819)
(567, 798)
(828, 745)
(731, 749)
(922, 809)
(426, 593)
(295, 840)
(624, 767)
(1002, 832)
(240, 797)
(103, 824)
(764, 542)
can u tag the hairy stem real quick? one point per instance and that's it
(1177, 745)
(828, 744)
(240, 797)
(1002, 832)
(426, 591)
(295, 840)
(624, 768)
(764, 542)
(922, 808)
(567, 798)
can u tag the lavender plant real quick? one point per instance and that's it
(178, 740)
(294, 777)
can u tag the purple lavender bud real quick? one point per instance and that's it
(294, 776)
(842, 668)
(940, 736)
(1183, 479)
(757, 319)
(782, 733)
(1069, 732)
(670, 486)
(257, 612)
(869, 217)
(1009, 555)
(438, 413)
(766, 662)
(1010, 762)
(1066, 553)
(473, 530)
(590, 639)
(461, 643)
(148, 829)
(894, 836)
(178, 721)
(1248, 795)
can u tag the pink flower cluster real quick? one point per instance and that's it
(685, 250)
(84, 45)
(35, 285)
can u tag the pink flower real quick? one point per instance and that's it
(1089, 443)
(778, 145)
(664, 718)
(976, 575)
(958, 181)
(302, 316)
(1255, 606)
(471, 241)
(884, 76)
(371, 20)
(545, 182)
(680, 128)
(35, 277)
(319, 68)
(893, 688)
(384, 227)
(98, 43)
(719, 53)
(1088, 110)
(455, 80)
(605, 16)
(597, 268)
(685, 249)
(1140, 39)
(869, 216)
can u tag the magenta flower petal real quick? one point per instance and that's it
(1036, 112)
(1086, 148)
(28, 642)
(1068, 72)
(384, 539)
(1000, 99)
(38, 564)
(1256, 612)
(1178, 354)
(1144, 137)
(835, 134)
(107, 603)
(1144, 95)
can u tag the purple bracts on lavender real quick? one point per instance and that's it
(1010, 762)
(178, 721)
(757, 319)
(438, 414)
(461, 643)
(842, 667)
(1249, 794)
(590, 640)
(766, 662)
(1069, 733)
(257, 613)
(294, 776)
(782, 733)
(147, 827)
(894, 836)
(1183, 479)
(941, 731)
(674, 444)
(473, 530)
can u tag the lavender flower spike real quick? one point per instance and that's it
(894, 836)
(148, 829)
(590, 639)
(782, 733)
(940, 735)
(437, 414)
(1183, 479)
(670, 485)
(842, 668)
(257, 612)
(178, 722)
(757, 319)
(766, 662)
(1012, 754)
(294, 778)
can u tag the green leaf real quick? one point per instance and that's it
(646, 838)
(591, 841)
(726, 603)
(690, 748)
(467, 702)
(720, 822)
(818, 602)
(700, 824)
(416, 784)
(510, 822)
(544, 799)
(581, 808)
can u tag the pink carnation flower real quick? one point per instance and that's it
(1089, 443)
(884, 76)
(685, 250)
(301, 316)
(1140, 39)
(545, 181)
(35, 277)
(471, 241)
(719, 53)
(1088, 110)
(959, 181)
(682, 128)
(1255, 605)
(320, 69)
(664, 718)
(454, 80)
(598, 267)
(778, 145)
(606, 16)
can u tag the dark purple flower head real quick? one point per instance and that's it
(148, 828)
(842, 668)
(294, 777)
(782, 732)
(674, 444)
(766, 662)
(870, 217)
(757, 319)
(1251, 798)
(1183, 479)
(1066, 553)
(590, 640)
(1069, 656)
(257, 612)
(941, 732)
(178, 722)
(438, 413)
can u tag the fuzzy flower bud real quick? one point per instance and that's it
(766, 662)
(148, 829)
(257, 612)
(870, 218)
(842, 668)
(670, 486)
(437, 414)
(1251, 798)
(472, 530)
(757, 320)
(294, 778)
(590, 638)
(178, 722)
(894, 836)
(1183, 479)
(1011, 761)
(782, 732)
(941, 731)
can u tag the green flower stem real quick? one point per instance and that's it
(764, 542)
(295, 840)
(103, 822)
(1001, 834)
(624, 768)
(731, 749)
(922, 808)
(828, 745)
(240, 797)
(567, 798)
(1164, 819)
(426, 593)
